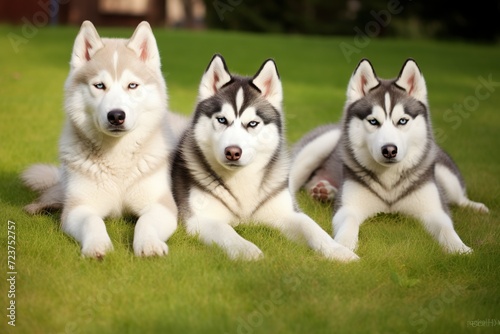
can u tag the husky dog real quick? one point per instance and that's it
(383, 158)
(115, 146)
(232, 165)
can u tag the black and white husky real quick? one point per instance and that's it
(232, 166)
(383, 158)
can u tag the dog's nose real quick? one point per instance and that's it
(233, 153)
(389, 151)
(116, 117)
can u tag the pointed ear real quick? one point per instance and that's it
(87, 43)
(216, 76)
(412, 81)
(267, 80)
(363, 79)
(143, 43)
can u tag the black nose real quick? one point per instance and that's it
(233, 153)
(116, 117)
(389, 151)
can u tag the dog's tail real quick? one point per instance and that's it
(40, 177)
(45, 179)
(310, 152)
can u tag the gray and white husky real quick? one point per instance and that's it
(383, 158)
(115, 146)
(232, 165)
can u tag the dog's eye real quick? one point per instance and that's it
(373, 121)
(133, 85)
(100, 85)
(403, 121)
(252, 124)
(222, 120)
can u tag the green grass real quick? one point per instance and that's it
(404, 282)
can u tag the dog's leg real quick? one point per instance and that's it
(298, 226)
(85, 225)
(440, 226)
(152, 201)
(279, 213)
(426, 205)
(152, 229)
(346, 227)
(215, 231)
(453, 190)
(357, 204)
(310, 153)
(210, 222)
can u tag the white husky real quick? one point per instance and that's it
(232, 165)
(383, 158)
(115, 145)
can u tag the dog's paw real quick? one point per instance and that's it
(150, 246)
(97, 247)
(479, 207)
(458, 249)
(33, 208)
(244, 250)
(336, 251)
(349, 242)
(323, 191)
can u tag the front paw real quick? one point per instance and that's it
(458, 249)
(336, 251)
(97, 247)
(150, 246)
(244, 250)
(350, 242)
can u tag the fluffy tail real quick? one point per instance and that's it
(177, 125)
(45, 179)
(310, 152)
(40, 177)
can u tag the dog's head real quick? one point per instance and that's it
(387, 121)
(114, 84)
(238, 119)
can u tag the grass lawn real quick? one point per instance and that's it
(404, 282)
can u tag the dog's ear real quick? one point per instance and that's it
(216, 76)
(362, 81)
(267, 80)
(412, 81)
(143, 43)
(87, 43)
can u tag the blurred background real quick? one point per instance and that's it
(465, 20)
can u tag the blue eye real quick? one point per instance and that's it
(222, 120)
(373, 122)
(403, 121)
(253, 124)
(133, 85)
(100, 85)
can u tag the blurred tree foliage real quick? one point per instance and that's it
(413, 18)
